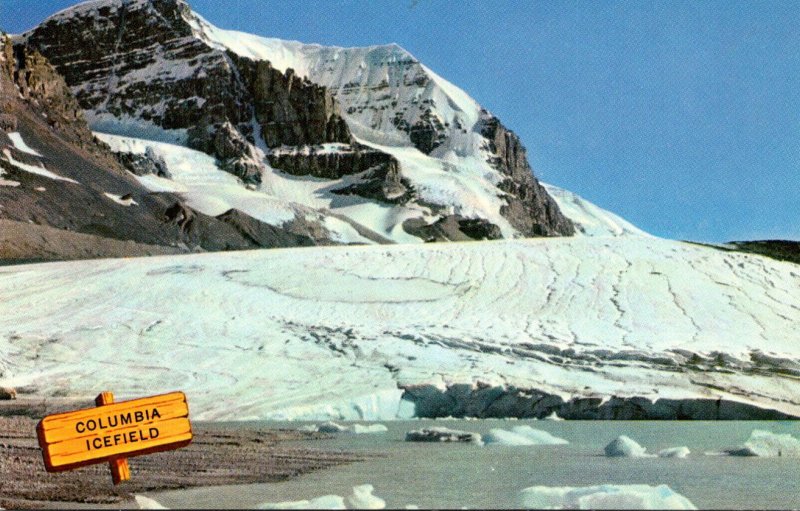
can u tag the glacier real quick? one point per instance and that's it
(381, 332)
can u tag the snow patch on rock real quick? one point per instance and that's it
(126, 201)
(33, 169)
(20, 144)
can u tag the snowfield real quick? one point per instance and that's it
(338, 332)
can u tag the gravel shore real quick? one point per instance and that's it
(217, 456)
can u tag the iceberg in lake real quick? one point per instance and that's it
(625, 447)
(768, 444)
(145, 503)
(324, 502)
(362, 498)
(333, 427)
(368, 428)
(674, 452)
(606, 496)
(538, 436)
(521, 436)
(443, 435)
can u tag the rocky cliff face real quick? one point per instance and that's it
(148, 64)
(528, 206)
(156, 70)
(65, 195)
(139, 54)
(43, 90)
(290, 110)
(389, 98)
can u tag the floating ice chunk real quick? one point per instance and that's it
(20, 144)
(538, 436)
(674, 452)
(768, 444)
(552, 417)
(331, 427)
(606, 496)
(411, 506)
(497, 436)
(147, 503)
(362, 498)
(324, 502)
(368, 428)
(624, 446)
(443, 435)
(521, 435)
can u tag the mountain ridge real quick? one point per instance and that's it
(489, 178)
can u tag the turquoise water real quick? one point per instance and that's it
(442, 475)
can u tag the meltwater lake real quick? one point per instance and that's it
(456, 475)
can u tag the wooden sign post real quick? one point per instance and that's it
(113, 432)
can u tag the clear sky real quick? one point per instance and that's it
(681, 116)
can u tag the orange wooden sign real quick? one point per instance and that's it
(113, 432)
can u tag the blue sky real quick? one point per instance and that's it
(681, 116)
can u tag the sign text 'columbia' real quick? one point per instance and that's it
(113, 432)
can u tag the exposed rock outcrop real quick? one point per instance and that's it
(149, 62)
(331, 161)
(290, 110)
(44, 91)
(528, 206)
(143, 62)
(486, 401)
(142, 165)
(382, 182)
(453, 228)
(265, 235)
(427, 133)
(229, 146)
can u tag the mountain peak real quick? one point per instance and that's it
(374, 120)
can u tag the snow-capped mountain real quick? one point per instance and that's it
(369, 134)
(65, 195)
(208, 139)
